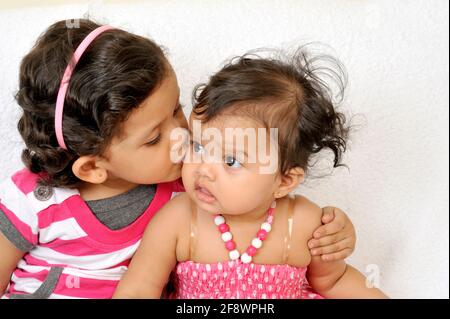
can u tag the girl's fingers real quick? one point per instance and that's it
(333, 247)
(327, 214)
(340, 255)
(329, 229)
(327, 240)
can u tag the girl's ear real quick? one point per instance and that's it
(289, 181)
(86, 169)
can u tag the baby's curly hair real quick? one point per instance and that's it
(287, 92)
(113, 77)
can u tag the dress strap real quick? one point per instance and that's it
(290, 221)
(193, 233)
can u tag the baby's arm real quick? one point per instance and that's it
(337, 279)
(9, 257)
(156, 256)
(331, 279)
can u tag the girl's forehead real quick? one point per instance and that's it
(154, 110)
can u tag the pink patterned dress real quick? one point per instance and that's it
(236, 280)
(240, 280)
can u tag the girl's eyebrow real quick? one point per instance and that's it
(155, 126)
(147, 132)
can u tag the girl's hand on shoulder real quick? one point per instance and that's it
(336, 238)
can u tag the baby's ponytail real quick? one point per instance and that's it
(320, 125)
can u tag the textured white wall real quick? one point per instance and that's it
(396, 54)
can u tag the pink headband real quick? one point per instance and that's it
(66, 78)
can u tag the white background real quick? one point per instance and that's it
(396, 55)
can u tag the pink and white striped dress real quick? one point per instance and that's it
(71, 253)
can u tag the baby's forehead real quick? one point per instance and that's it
(224, 122)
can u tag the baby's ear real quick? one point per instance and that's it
(289, 181)
(86, 169)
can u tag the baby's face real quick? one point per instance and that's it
(142, 154)
(231, 166)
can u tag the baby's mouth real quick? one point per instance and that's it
(204, 194)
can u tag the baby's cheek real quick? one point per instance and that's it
(238, 198)
(187, 174)
(259, 189)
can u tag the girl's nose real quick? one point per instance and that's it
(180, 120)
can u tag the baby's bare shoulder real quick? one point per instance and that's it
(173, 215)
(306, 218)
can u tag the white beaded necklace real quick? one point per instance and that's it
(230, 245)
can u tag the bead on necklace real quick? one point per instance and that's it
(256, 243)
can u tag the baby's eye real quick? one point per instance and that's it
(232, 162)
(198, 148)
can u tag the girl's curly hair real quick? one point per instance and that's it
(114, 75)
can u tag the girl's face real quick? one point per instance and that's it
(141, 155)
(227, 175)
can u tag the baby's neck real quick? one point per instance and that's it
(89, 191)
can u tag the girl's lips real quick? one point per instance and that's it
(204, 195)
